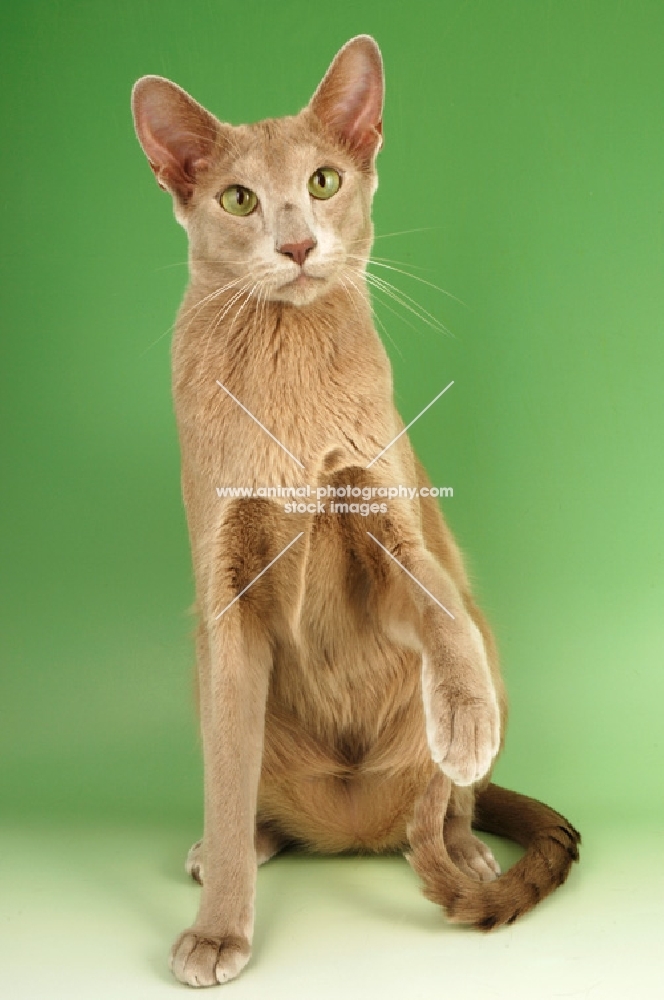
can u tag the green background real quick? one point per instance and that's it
(523, 171)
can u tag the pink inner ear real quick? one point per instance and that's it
(176, 133)
(196, 165)
(349, 101)
(366, 116)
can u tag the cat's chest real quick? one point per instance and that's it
(280, 422)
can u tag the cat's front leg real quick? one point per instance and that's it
(460, 701)
(461, 705)
(233, 681)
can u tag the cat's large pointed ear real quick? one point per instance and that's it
(349, 99)
(177, 134)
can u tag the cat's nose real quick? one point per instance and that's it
(297, 251)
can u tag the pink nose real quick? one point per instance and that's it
(297, 251)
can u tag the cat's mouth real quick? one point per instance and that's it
(300, 280)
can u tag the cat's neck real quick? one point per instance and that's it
(317, 376)
(214, 324)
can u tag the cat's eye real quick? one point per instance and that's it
(324, 182)
(238, 200)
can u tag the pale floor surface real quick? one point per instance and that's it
(90, 913)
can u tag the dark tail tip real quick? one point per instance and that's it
(551, 842)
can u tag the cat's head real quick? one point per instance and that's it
(283, 205)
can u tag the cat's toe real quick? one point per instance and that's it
(488, 861)
(201, 960)
(194, 863)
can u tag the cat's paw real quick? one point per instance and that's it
(463, 734)
(471, 855)
(202, 960)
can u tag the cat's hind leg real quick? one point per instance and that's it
(470, 854)
(267, 843)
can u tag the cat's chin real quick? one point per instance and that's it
(302, 291)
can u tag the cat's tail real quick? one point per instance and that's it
(551, 844)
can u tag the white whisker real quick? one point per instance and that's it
(404, 263)
(415, 277)
(401, 318)
(214, 325)
(403, 232)
(237, 314)
(374, 314)
(406, 302)
(257, 311)
(195, 308)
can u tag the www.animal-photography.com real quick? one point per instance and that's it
(333, 550)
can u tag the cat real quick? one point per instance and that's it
(348, 687)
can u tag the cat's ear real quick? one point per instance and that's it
(177, 134)
(349, 99)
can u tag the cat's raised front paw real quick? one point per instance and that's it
(463, 735)
(201, 960)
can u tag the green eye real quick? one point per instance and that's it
(238, 200)
(325, 182)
